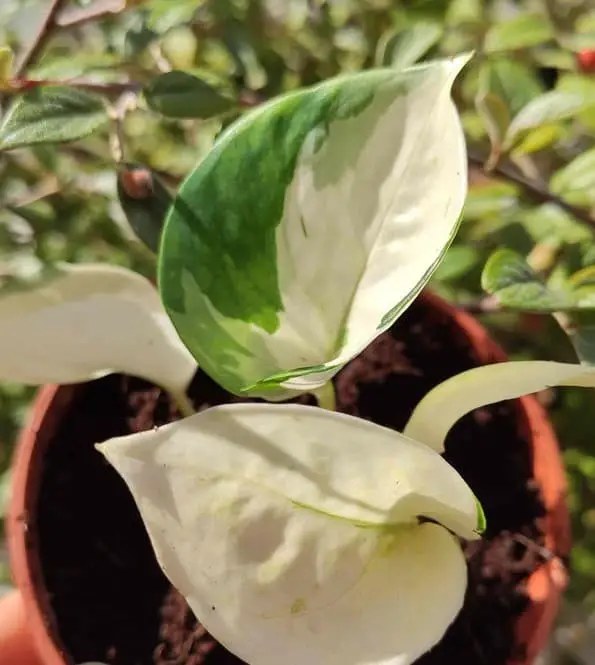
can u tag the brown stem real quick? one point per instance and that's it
(532, 189)
(73, 17)
(39, 41)
(108, 89)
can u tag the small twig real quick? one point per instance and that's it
(107, 89)
(533, 190)
(543, 552)
(161, 62)
(125, 104)
(484, 305)
(76, 16)
(39, 41)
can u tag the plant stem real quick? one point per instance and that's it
(532, 189)
(183, 403)
(484, 305)
(72, 17)
(107, 89)
(325, 395)
(39, 41)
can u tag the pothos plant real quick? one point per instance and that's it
(310, 226)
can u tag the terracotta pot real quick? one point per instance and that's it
(545, 586)
(16, 643)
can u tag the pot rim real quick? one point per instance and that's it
(545, 584)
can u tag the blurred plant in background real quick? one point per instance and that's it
(108, 104)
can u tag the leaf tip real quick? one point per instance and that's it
(458, 62)
(481, 518)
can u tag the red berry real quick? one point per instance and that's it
(137, 183)
(586, 60)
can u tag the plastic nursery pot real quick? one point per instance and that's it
(52, 407)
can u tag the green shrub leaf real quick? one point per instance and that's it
(51, 115)
(181, 95)
(507, 276)
(520, 32)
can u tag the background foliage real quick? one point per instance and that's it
(152, 83)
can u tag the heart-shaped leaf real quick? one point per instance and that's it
(51, 115)
(312, 224)
(287, 535)
(85, 321)
(182, 95)
(510, 278)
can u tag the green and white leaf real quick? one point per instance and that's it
(509, 277)
(86, 321)
(443, 406)
(312, 224)
(51, 115)
(284, 538)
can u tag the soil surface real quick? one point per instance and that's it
(111, 600)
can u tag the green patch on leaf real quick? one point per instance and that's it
(481, 517)
(51, 115)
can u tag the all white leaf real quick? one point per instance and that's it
(295, 530)
(443, 406)
(87, 321)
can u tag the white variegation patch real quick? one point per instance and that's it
(87, 321)
(440, 409)
(355, 246)
(293, 530)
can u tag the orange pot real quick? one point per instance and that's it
(544, 587)
(16, 642)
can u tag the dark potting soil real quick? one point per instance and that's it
(113, 604)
